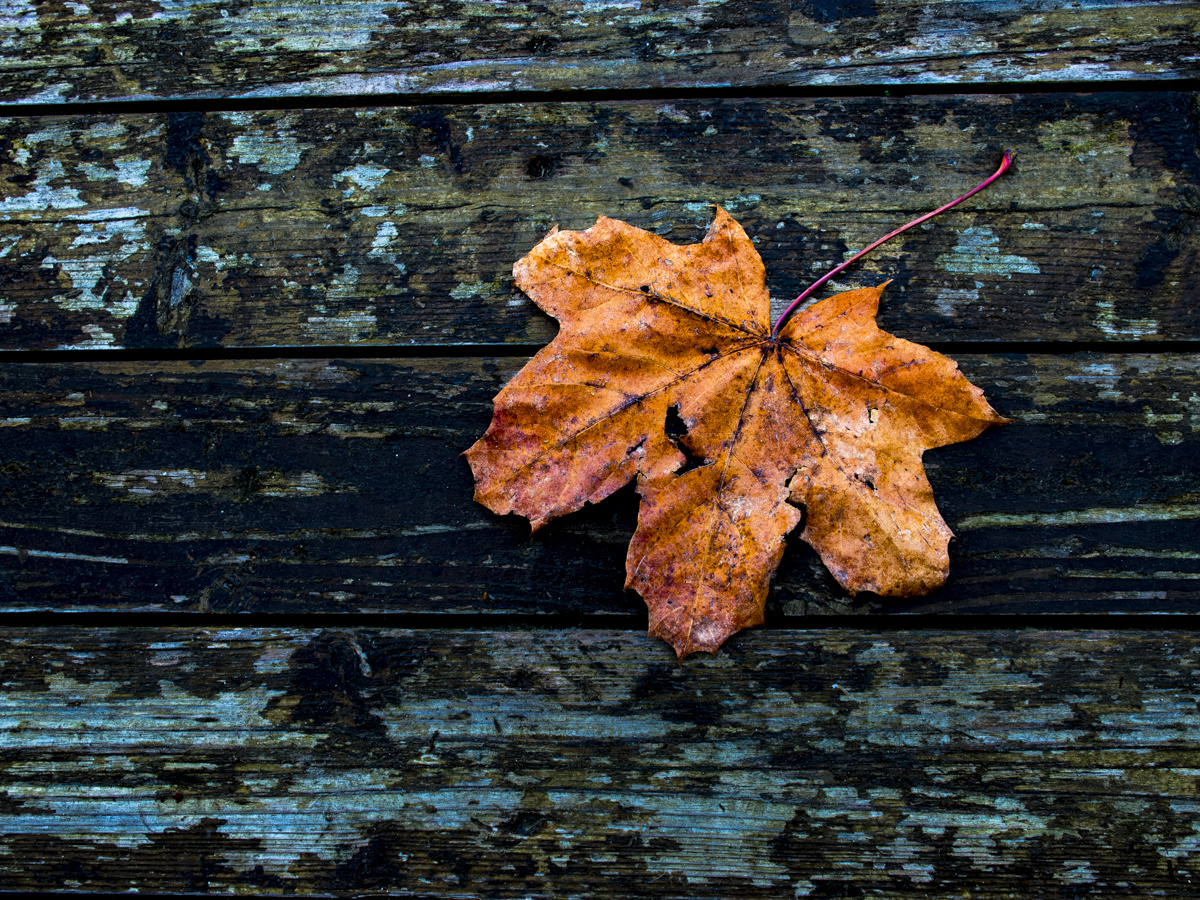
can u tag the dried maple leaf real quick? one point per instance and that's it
(826, 414)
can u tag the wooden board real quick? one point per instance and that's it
(338, 486)
(207, 49)
(589, 764)
(401, 226)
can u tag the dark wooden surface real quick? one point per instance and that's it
(257, 637)
(839, 763)
(145, 49)
(400, 226)
(322, 485)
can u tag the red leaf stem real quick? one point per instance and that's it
(1004, 164)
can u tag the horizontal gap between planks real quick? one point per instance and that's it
(140, 895)
(215, 354)
(607, 622)
(590, 95)
(470, 351)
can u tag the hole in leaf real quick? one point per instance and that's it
(676, 429)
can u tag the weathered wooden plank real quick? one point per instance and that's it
(400, 226)
(570, 764)
(327, 485)
(203, 48)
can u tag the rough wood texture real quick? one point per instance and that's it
(338, 227)
(573, 764)
(554, 763)
(162, 49)
(325, 485)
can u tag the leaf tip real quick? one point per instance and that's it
(721, 220)
(704, 635)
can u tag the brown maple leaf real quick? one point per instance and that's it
(825, 420)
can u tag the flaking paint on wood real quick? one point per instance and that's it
(150, 49)
(400, 226)
(337, 485)
(559, 763)
(563, 764)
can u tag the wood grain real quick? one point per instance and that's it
(62, 53)
(337, 486)
(517, 761)
(589, 763)
(401, 226)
